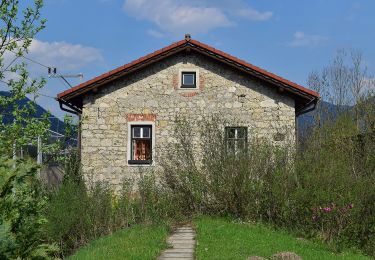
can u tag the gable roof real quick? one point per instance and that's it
(303, 96)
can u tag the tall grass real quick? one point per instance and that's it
(326, 189)
(79, 212)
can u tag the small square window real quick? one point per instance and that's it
(188, 80)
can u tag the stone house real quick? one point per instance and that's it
(128, 114)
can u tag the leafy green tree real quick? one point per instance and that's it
(21, 199)
(18, 26)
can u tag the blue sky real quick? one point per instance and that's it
(288, 37)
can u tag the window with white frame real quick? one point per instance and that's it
(236, 139)
(188, 79)
(141, 144)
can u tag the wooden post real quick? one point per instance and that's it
(40, 153)
(14, 154)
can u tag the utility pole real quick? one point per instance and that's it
(39, 159)
(14, 154)
(52, 73)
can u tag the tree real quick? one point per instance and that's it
(19, 25)
(345, 83)
(21, 199)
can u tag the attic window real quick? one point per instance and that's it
(188, 79)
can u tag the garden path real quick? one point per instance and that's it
(182, 243)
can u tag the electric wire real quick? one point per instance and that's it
(27, 58)
(60, 77)
(43, 65)
(10, 64)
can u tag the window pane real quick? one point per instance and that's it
(136, 131)
(146, 132)
(231, 146)
(142, 149)
(241, 145)
(241, 132)
(231, 133)
(188, 79)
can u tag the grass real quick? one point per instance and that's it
(137, 242)
(222, 239)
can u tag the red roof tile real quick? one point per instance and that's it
(86, 86)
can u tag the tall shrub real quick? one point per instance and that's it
(21, 212)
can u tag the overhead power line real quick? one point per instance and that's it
(29, 59)
(52, 71)
(44, 95)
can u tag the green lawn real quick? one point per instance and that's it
(221, 239)
(137, 242)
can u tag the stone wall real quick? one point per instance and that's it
(152, 94)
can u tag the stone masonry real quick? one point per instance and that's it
(152, 94)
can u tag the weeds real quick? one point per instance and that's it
(325, 190)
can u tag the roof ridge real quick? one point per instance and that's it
(187, 40)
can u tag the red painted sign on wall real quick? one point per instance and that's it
(141, 117)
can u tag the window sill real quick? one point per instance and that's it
(140, 162)
(188, 87)
(182, 89)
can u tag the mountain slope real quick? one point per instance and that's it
(56, 124)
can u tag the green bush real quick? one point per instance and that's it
(78, 214)
(336, 183)
(21, 207)
(323, 190)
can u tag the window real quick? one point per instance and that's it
(236, 139)
(141, 144)
(188, 80)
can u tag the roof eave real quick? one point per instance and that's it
(93, 84)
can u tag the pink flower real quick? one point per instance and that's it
(327, 209)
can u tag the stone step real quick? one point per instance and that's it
(182, 237)
(177, 254)
(182, 243)
(162, 257)
(187, 242)
(179, 250)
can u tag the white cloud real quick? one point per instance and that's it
(66, 57)
(300, 39)
(176, 17)
(155, 33)
(254, 15)
(63, 55)
(179, 17)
